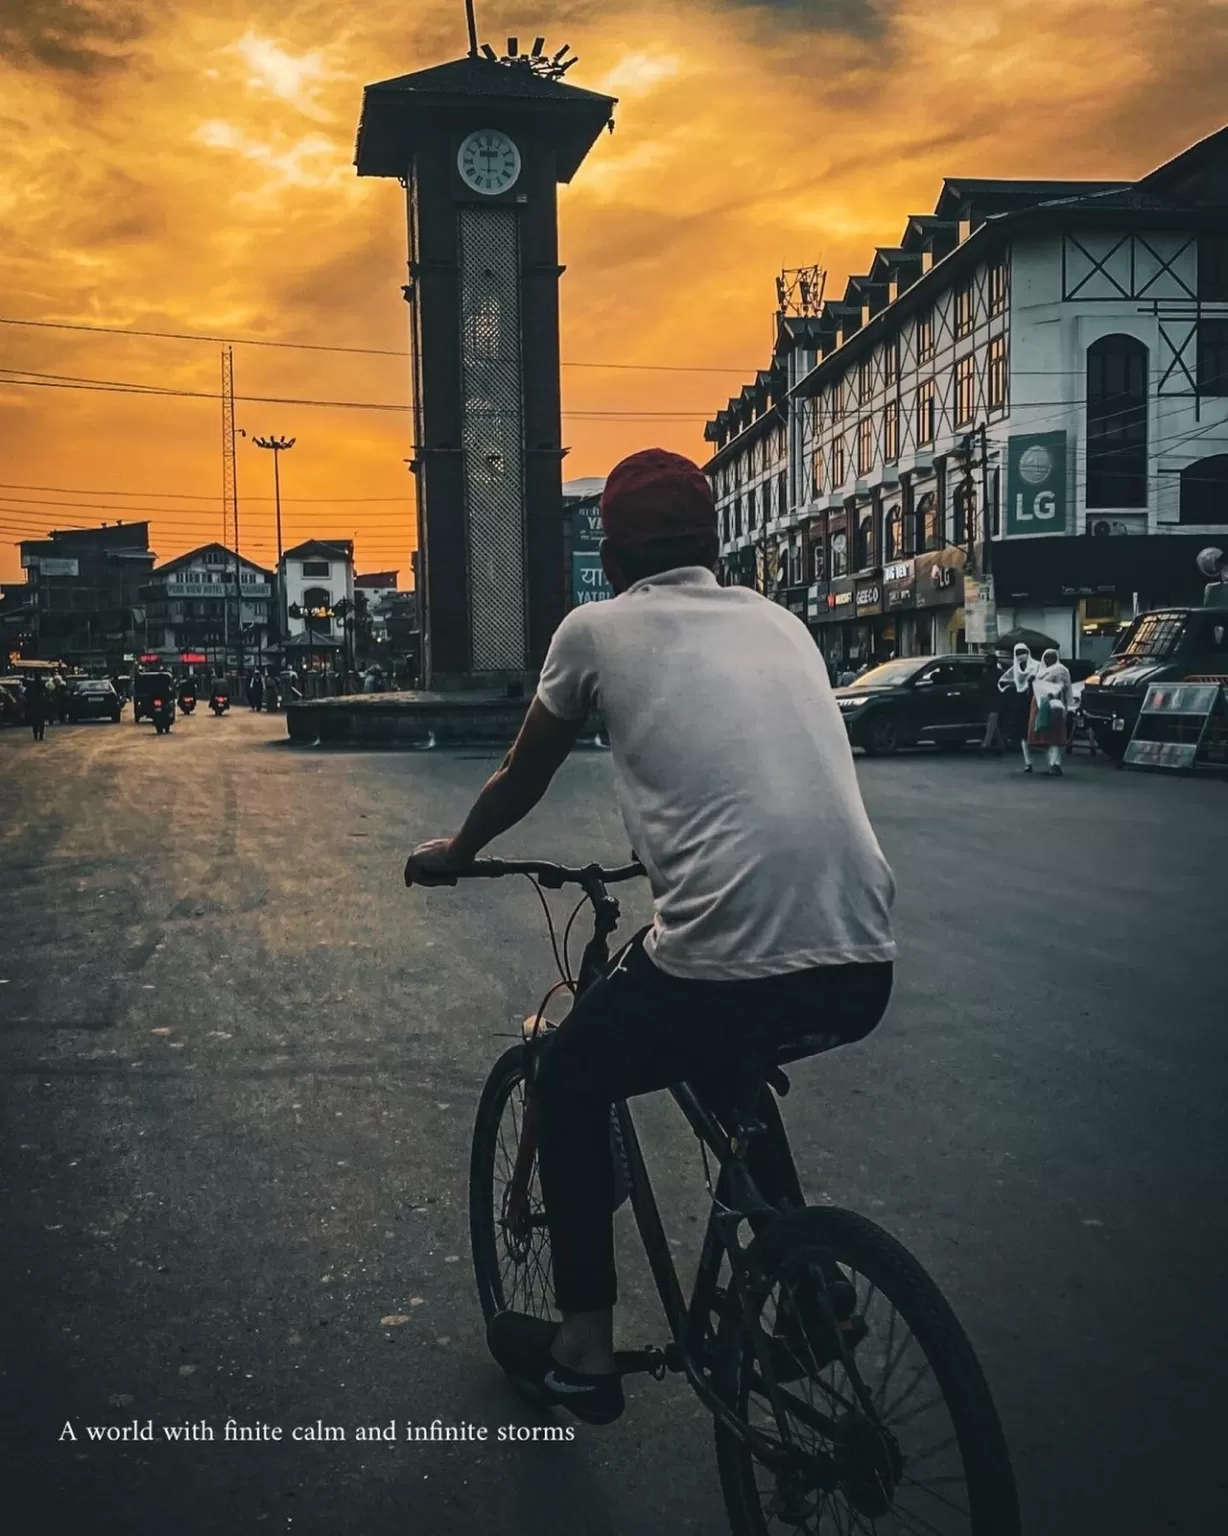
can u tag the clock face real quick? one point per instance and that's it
(488, 161)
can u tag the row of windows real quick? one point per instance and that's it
(924, 417)
(748, 511)
(902, 533)
(845, 400)
(1117, 393)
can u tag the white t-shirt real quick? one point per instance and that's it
(734, 776)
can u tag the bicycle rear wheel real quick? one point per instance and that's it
(897, 1436)
(507, 1224)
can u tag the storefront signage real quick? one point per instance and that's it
(45, 565)
(193, 658)
(816, 600)
(869, 598)
(147, 658)
(980, 611)
(1036, 483)
(249, 589)
(940, 578)
(898, 570)
(840, 599)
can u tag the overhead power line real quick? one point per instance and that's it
(317, 346)
(93, 490)
(34, 380)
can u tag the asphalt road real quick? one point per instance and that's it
(239, 1064)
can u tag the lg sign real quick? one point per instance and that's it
(1036, 483)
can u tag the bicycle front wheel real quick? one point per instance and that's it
(507, 1222)
(891, 1427)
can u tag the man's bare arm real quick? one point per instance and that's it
(507, 797)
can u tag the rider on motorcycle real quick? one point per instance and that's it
(735, 780)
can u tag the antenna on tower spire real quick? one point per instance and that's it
(473, 29)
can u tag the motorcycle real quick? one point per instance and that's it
(187, 702)
(162, 713)
(219, 704)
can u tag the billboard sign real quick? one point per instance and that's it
(48, 565)
(980, 611)
(1036, 500)
(589, 583)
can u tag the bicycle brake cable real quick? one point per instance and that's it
(554, 941)
(571, 980)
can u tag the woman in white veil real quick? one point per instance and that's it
(1016, 684)
(1052, 698)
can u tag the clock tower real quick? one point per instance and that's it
(480, 146)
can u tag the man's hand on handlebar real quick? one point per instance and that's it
(434, 863)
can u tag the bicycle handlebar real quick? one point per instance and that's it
(552, 876)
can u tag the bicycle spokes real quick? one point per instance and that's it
(874, 1448)
(522, 1239)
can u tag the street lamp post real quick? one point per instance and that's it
(277, 446)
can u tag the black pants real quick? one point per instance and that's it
(638, 1030)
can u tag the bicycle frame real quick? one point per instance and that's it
(734, 1199)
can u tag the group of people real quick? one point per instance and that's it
(1036, 708)
(267, 690)
(45, 699)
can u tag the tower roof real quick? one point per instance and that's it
(395, 111)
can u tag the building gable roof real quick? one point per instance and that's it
(1197, 175)
(377, 579)
(178, 561)
(325, 549)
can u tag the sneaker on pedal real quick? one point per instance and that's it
(522, 1346)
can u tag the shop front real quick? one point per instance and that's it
(834, 618)
(1080, 589)
(899, 607)
(939, 594)
(794, 599)
(869, 624)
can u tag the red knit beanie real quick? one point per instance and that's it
(656, 495)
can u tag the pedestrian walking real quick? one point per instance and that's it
(1015, 685)
(61, 698)
(990, 698)
(36, 707)
(1052, 695)
(255, 691)
(272, 695)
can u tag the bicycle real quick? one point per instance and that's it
(795, 1340)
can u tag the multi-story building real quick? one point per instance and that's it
(749, 470)
(194, 606)
(376, 587)
(84, 602)
(1025, 400)
(314, 578)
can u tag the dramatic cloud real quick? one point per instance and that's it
(68, 35)
(209, 187)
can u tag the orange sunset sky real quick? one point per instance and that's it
(187, 166)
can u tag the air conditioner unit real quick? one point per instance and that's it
(1112, 524)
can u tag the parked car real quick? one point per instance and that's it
(12, 701)
(1163, 646)
(94, 698)
(914, 700)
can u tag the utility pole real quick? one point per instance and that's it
(230, 482)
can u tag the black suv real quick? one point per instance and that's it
(939, 699)
(1159, 647)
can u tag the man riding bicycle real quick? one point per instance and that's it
(772, 899)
